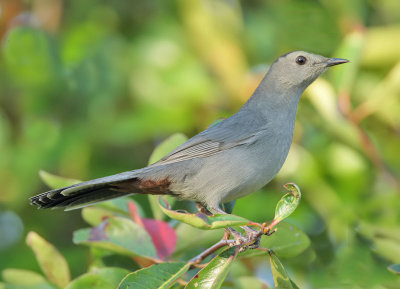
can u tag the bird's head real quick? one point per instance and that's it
(300, 68)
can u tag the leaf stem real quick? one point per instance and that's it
(269, 251)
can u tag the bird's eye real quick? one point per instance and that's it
(301, 60)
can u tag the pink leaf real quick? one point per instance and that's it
(135, 214)
(162, 234)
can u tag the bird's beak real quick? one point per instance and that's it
(335, 61)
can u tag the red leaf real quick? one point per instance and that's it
(163, 236)
(161, 233)
(135, 214)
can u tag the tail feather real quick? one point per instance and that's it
(99, 190)
(78, 200)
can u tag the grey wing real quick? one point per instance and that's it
(214, 140)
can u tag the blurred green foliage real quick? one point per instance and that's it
(88, 88)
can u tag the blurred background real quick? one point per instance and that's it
(89, 88)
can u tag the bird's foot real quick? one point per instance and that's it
(250, 241)
(253, 237)
(240, 240)
(203, 209)
(254, 240)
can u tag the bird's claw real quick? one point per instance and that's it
(239, 238)
(252, 239)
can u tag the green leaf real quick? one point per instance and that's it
(55, 182)
(372, 231)
(395, 268)
(103, 278)
(157, 276)
(288, 203)
(212, 276)
(281, 278)
(188, 245)
(155, 208)
(385, 240)
(246, 282)
(167, 146)
(52, 263)
(96, 214)
(288, 241)
(159, 152)
(120, 206)
(202, 221)
(119, 235)
(387, 248)
(19, 279)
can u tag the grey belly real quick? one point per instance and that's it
(230, 175)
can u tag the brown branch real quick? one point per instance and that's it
(225, 241)
(199, 258)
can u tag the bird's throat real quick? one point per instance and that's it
(274, 102)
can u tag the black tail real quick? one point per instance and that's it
(99, 190)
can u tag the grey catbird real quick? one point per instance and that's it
(226, 161)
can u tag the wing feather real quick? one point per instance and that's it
(228, 134)
(202, 149)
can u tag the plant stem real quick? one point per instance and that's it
(199, 258)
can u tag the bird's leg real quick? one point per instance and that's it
(203, 209)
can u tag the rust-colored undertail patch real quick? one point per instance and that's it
(145, 186)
